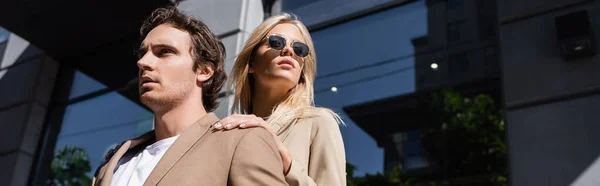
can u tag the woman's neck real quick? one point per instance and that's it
(264, 99)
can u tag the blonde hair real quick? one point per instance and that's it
(299, 101)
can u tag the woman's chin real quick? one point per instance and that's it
(280, 83)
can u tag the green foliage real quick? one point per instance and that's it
(69, 167)
(471, 139)
(468, 146)
(393, 178)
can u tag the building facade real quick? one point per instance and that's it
(68, 77)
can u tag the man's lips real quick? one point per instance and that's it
(146, 79)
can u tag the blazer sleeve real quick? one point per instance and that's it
(256, 160)
(327, 162)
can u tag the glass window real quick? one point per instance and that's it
(454, 4)
(453, 31)
(360, 56)
(413, 156)
(84, 84)
(491, 60)
(487, 7)
(293, 4)
(487, 19)
(3, 42)
(102, 122)
(386, 74)
(490, 52)
(2, 49)
(487, 26)
(458, 65)
(4, 34)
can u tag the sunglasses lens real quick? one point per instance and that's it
(300, 49)
(276, 42)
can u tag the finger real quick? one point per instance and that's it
(249, 124)
(218, 126)
(234, 124)
(223, 122)
(253, 122)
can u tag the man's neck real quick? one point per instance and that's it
(175, 120)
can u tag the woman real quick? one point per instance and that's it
(273, 81)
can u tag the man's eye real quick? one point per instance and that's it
(163, 52)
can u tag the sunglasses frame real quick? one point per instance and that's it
(285, 44)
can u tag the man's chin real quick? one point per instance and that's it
(148, 99)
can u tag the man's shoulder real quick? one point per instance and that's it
(109, 154)
(226, 143)
(238, 134)
(144, 138)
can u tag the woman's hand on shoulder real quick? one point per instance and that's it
(240, 121)
(250, 121)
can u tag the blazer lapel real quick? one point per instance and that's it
(283, 131)
(185, 141)
(109, 169)
(277, 129)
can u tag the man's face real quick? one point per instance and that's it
(166, 75)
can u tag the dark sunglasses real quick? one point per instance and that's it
(278, 42)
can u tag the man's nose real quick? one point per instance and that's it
(146, 62)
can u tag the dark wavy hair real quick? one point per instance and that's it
(206, 48)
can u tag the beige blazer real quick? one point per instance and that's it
(204, 157)
(317, 149)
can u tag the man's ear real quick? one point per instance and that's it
(204, 72)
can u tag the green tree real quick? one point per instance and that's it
(468, 147)
(69, 167)
(393, 178)
(471, 139)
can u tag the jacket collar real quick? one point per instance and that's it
(185, 141)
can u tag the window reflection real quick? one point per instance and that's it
(454, 4)
(458, 65)
(84, 84)
(99, 123)
(2, 49)
(290, 5)
(454, 30)
(422, 82)
(4, 34)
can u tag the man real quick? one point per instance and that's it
(181, 73)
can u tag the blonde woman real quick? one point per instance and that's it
(273, 80)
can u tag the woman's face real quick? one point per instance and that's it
(278, 68)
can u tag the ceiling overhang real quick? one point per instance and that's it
(97, 37)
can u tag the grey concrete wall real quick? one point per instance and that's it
(533, 64)
(552, 105)
(26, 82)
(233, 20)
(553, 144)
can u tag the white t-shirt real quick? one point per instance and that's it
(135, 167)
